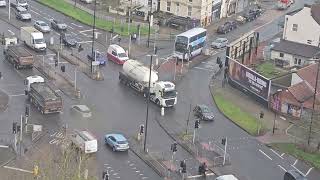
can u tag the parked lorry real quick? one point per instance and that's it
(33, 38)
(84, 141)
(42, 96)
(284, 4)
(136, 75)
(20, 57)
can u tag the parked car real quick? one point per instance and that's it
(81, 110)
(203, 113)
(252, 14)
(87, 1)
(23, 14)
(3, 3)
(240, 19)
(293, 175)
(57, 25)
(42, 26)
(227, 27)
(69, 40)
(219, 43)
(117, 142)
(101, 58)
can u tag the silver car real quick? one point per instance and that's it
(22, 14)
(42, 26)
(219, 43)
(81, 110)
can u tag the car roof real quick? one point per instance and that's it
(119, 137)
(221, 39)
(41, 22)
(82, 107)
(118, 48)
(20, 8)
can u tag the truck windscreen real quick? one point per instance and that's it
(170, 94)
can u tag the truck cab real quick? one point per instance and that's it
(32, 79)
(164, 94)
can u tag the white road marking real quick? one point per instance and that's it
(295, 162)
(87, 30)
(16, 95)
(131, 164)
(115, 174)
(34, 12)
(265, 154)
(53, 134)
(74, 33)
(76, 25)
(105, 164)
(309, 171)
(12, 33)
(283, 154)
(84, 42)
(282, 168)
(141, 174)
(70, 27)
(18, 169)
(137, 171)
(144, 178)
(276, 153)
(297, 169)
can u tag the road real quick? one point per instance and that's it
(119, 109)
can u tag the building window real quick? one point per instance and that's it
(168, 6)
(177, 8)
(294, 27)
(189, 11)
(281, 55)
(299, 61)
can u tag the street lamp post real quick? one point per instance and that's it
(93, 31)
(148, 101)
(149, 26)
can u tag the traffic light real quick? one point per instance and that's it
(196, 124)
(141, 129)
(223, 141)
(27, 113)
(63, 68)
(14, 128)
(35, 170)
(105, 175)
(56, 63)
(261, 114)
(174, 147)
(0, 75)
(156, 50)
(183, 166)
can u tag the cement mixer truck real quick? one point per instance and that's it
(136, 76)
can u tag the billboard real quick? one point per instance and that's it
(249, 79)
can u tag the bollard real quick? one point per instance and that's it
(157, 61)
(162, 111)
(96, 35)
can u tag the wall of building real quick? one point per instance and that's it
(294, 61)
(295, 79)
(308, 30)
(230, 7)
(196, 9)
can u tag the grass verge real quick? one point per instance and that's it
(268, 70)
(243, 119)
(294, 150)
(86, 18)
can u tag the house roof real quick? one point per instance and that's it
(301, 91)
(294, 48)
(315, 12)
(309, 74)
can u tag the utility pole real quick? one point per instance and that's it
(313, 105)
(196, 126)
(148, 101)
(75, 79)
(93, 31)
(129, 23)
(9, 10)
(149, 27)
(188, 119)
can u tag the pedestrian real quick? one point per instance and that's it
(220, 65)
(218, 60)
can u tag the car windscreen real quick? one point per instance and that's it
(121, 55)
(43, 24)
(122, 142)
(205, 109)
(22, 1)
(39, 41)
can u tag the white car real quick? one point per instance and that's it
(22, 13)
(42, 26)
(219, 43)
(227, 177)
(82, 110)
(3, 3)
(87, 1)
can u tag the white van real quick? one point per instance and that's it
(117, 54)
(227, 177)
(85, 141)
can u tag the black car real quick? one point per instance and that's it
(57, 25)
(227, 27)
(69, 41)
(203, 113)
(252, 14)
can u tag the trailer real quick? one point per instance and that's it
(136, 76)
(44, 98)
(20, 57)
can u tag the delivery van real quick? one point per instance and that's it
(84, 141)
(117, 54)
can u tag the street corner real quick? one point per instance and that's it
(4, 101)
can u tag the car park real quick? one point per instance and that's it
(81, 110)
(23, 14)
(69, 40)
(3, 3)
(227, 27)
(203, 112)
(97, 56)
(57, 25)
(117, 142)
(117, 54)
(42, 26)
(219, 43)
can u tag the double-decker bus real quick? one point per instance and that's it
(190, 43)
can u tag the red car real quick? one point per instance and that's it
(117, 54)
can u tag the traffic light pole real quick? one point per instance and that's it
(93, 31)
(194, 136)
